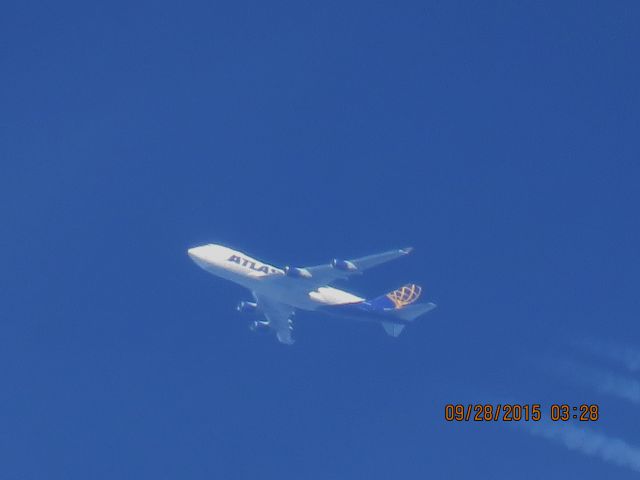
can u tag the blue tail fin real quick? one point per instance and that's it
(397, 299)
(404, 315)
(400, 307)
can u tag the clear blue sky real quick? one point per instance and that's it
(499, 139)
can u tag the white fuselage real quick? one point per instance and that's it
(267, 280)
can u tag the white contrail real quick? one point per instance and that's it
(599, 379)
(623, 354)
(610, 449)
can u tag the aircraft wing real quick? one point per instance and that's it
(324, 274)
(279, 317)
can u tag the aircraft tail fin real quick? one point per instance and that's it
(405, 315)
(400, 308)
(397, 299)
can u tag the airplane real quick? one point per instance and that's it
(279, 292)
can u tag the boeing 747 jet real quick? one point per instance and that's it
(278, 293)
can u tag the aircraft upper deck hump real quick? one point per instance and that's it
(214, 256)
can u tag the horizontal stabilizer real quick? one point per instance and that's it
(393, 329)
(411, 312)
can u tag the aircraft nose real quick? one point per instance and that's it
(201, 255)
(194, 253)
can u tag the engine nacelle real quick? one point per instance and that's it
(259, 326)
(297, 272)
(344, 265)
(247, 307)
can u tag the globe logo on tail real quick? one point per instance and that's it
(405, 295)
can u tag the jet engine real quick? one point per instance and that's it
(297, 272)
(344, 265)
(247, 307)
(259, 326)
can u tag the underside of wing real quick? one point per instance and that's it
(279, 317)
(339, 269)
